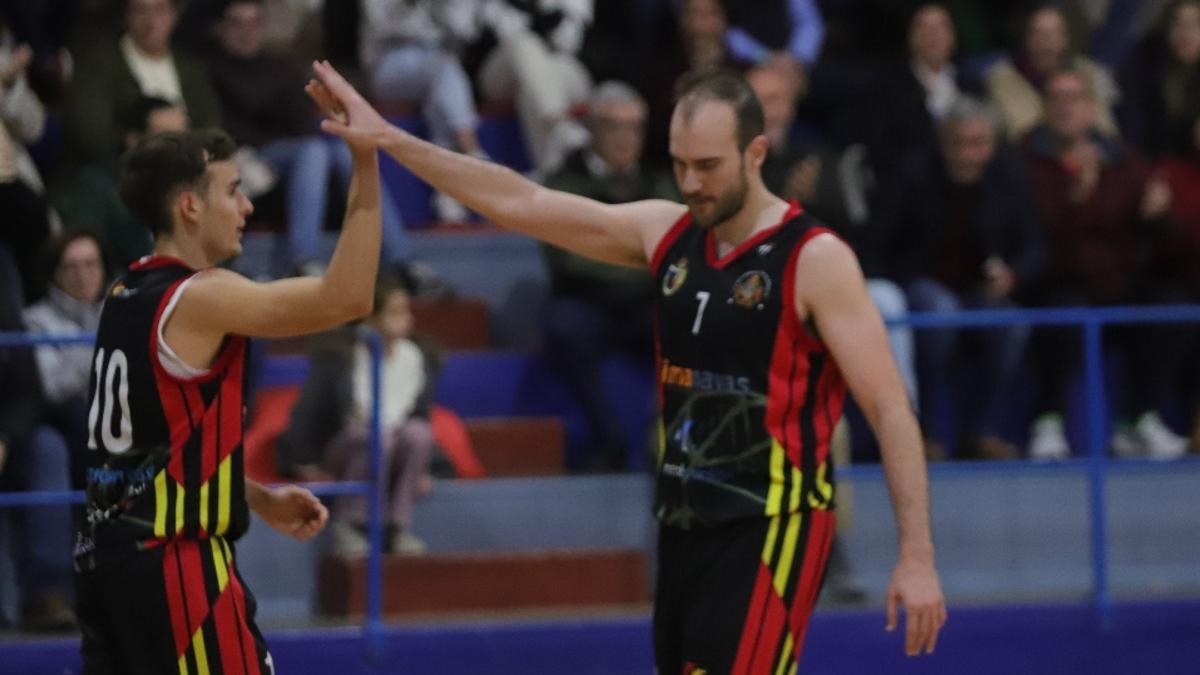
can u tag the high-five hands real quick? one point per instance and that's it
(347, 114)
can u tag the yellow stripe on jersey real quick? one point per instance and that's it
(794, 494)
(775, 491)
(219, 563)
(769, 544)
(786, 655)
(204, 505)
(783, 566)
(823, 490)
(201, 653)
(179, 495)
(160, 504)
(224, 487)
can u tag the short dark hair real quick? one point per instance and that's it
(725, 86)
(389, 282)
(135, 117)
(159, 166)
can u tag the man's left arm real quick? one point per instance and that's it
(289, 509)
(831, 292)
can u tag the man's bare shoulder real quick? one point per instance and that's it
(652, 218)
(825, 249)
(826, 270)
(656, 213)
(217, 280)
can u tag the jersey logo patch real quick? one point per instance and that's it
(751, 289)
(675, 276)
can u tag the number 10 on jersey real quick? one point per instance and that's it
(111, 408)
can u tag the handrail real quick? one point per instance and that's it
(1091, 320)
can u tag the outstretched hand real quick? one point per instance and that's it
(347, 113)
(915, 586)
(293, 511)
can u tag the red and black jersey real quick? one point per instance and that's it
(749, 395)
(171, 462)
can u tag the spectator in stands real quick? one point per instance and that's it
(535, 63)
(969, 238)
(116, 72)
(597, 310)
(699, 46)
(408, 49)
(1104, 214)
(800, 168)
(1181, 170)
(1015, 85)
(1162, 87)
(22, 201)
(329, 431)
(90, 201)
(290, 27)
(32, 459)
(1179, 256)
(75, 265)
(776, 30)
(267, 113)
(921, 91)
(45, 26)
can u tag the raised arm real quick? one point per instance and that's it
(831, 291)
(220, 302)
(624, 234)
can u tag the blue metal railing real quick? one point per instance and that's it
(1090, 320)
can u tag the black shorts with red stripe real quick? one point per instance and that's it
(179, 608)
(737, 598)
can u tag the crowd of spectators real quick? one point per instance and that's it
(976, 155)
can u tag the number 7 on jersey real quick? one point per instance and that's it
(703, 297)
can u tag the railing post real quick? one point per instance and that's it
(1097, 444)
(373, 627)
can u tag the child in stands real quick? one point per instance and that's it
(329, 433)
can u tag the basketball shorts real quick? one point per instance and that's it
(736, 598)
(180, 608)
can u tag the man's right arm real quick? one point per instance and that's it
(220, 302)
(624, 234)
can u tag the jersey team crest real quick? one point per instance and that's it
(751, 289)
(675, 276)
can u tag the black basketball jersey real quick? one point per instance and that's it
(171, 448)
(749, 396)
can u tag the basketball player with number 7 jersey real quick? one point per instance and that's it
(763, 323)
(158, 587)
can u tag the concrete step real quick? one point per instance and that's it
(441, 583)
(519, 446)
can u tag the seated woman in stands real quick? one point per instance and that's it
(329, 433)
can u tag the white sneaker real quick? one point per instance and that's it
(1158, 439)
(407, 543)
(348, 542)
(1048, 441)
(1127, 442)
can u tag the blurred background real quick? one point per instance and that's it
(979, 156)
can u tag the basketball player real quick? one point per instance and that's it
(159, 591)
(763, 319)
